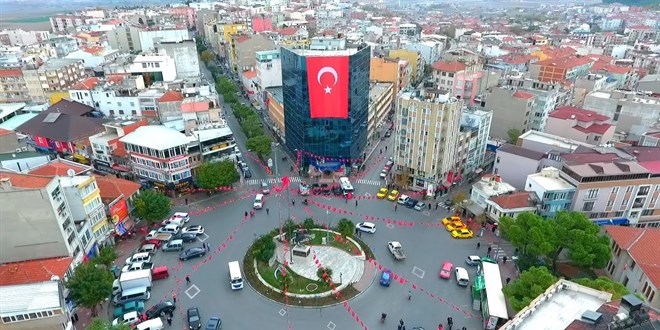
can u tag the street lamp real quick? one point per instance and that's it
(327, 231)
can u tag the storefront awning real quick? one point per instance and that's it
(473, 208)
(120, 168)
(615, 221)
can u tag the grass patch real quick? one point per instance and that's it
(297, 283)
(335, 240)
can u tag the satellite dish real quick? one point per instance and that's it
(70, 172)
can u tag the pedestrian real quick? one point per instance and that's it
(450, 322)
(385, 148)
(186, 201)
(356, 231)
(429, 206)
(478, 245)
(464, 328)
(490, 249)
(395, 206)
(204, 245)
(441, 327)
(409, 294)
(401, 322)
(400, 327)
(508, 279)
(174, 297)
(188, 279)
(494, 229)
(381, 151)
(171, 313)
(360, 234)
(169, 320)
(293, 201)
(504, 260)
(437, 205)
(356, 203)
(208, 247)
(346, 198)
(267, 210)
(246, 213)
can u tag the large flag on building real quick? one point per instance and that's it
(327, 80)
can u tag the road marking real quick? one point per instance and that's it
(390, 225)
(418, 272)
(426, 213)
(282, 312)
(367, 194)
(206, 236)
(331, 325)
(192, 295)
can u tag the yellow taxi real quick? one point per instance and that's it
(462, 233)
(447, 221)
(456, 225)
(394, 194)
(382, 193)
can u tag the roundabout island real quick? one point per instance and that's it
(308, 265)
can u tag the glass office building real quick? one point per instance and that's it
(327, 137)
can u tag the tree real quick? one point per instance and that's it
(101, 324)
(289, 227)
(603, 283)
(207, 56)
(106, 256)
(531, 234)
(152, 206)
(581, 237)
(513, 134)
(458, 197)
(264, 248)
(530, 285)
(345, 227)
(251, 126)
(226, 86)
(260, 144)
(211, 175)
(326, 271)
(90, 285)
(228, 97)
(517, 30)
(309, 224)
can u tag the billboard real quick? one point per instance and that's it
(119, 211)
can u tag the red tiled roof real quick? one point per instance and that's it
(11, 73)
(57, 167)
(87, 84)
(611, 68)
(453, 66)
(250, 74)
(4, 132)
(642, 244)
(593, 128)
(33, 271)
(288, 31)
(513, 201)
(26, 181)
(565, 62)
(580, 114)
(523, 95)
(111, 187)
(94, 50)
(242, 39)
(171, 96)
(652, 166)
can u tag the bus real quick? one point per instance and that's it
(345, 184)
(489, 291)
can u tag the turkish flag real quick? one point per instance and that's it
(327, 80)
(285, 182)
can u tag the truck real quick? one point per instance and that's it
(158, 236)
(396, 250)
(137, 266)
(130, 280)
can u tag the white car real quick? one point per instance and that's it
(129, 318)
(196, 229)
(473, 260)
(258, 201)
(366, 227)
(181, 215)
(419, 206)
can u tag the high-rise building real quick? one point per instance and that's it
(326, 97)
(427, 124)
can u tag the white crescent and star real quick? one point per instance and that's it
(330, 70)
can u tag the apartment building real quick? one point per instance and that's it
(558, 69)
(381, 98)
(465, 80)
(634, 261)
(244, 49)
(620, 184)
(293, 37)
(12, 86)
(512, 109)
(114, 96)
(415, 60)
(85, 203)
(390, 70)
(553, 193)
(580, 125)
(268, 66)
(108, 154)
(275, 108)
(62, 24)
(632, 113)
(59, 74)
(184, 54)
(159, 155)
(650, 139)
(510, 205)
(477, 123)
(427, 124)
(20, 37)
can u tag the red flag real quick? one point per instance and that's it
(285, 181)
(327, 80)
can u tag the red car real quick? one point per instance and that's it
(445, 271)
(155, 242)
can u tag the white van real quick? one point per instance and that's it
(169, 229)
(345, 184)
(139, 257)
(403, 199)
(258, 201)
(153, 324)
(235, 277)
(462, 277)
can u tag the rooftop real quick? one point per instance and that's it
(33, 271)
(642, 245)
(60, 167)
(30, 298)
(520, 151)
(523, 95)
(58, 63)
(378, 89)
(518, 200)
(64, 121)
(277, 93)
(26, 181)
(156, 137)
(552, 141)
(449, 66)
(550, 180)
(580, 114)
(568, 62)
(87, 84)
(608, 168)
(171, 96)
(492, 185)
(111, 188)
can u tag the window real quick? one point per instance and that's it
(630, 189)
(592, 193)
(632, 265)
(643, 191)
(610, 203)
(615, 190)
(588, 206)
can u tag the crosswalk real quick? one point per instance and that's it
(497, 251)
(370, 182)
(254, 182)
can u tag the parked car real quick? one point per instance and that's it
(337, 191)
(410, 203)
(367, 227)
(265, 188)
(159, 273)
(214, 323)
(133, 306)
(462, 233)
(456, 225)
(194, 320)
(419, 206)
(173, 245)
(447, 221)
(445, 270)
(393, 196)
(185, 237)
(473, 260)
(160, 309)
(194, 252)
(382, 193)
(149, 248)
(247, 173)
(196, 229)
(129, 318)
(386, 277)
